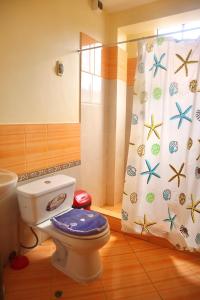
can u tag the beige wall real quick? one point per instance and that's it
(151, 11)
(132, 47)
(34, 34)
(93, 122)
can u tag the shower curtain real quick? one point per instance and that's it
(162, 182)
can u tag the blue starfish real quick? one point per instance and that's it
(157, 64)
(150, 171)
(182, 115)
(170, 220)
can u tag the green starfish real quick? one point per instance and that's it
(152, 128)
(185, 62)
(193, 208)
(145, 224)
(178, 174)
(170, 219)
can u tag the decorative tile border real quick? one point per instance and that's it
(42, 172)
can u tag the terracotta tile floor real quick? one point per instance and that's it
(133, 269)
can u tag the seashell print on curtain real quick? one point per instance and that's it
(162, 182)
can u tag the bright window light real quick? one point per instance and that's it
(194, 34)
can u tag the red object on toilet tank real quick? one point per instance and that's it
(82, 200)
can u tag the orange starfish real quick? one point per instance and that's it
(178, 174)
(185, 62)
(145, 224)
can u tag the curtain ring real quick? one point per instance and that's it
(182, 33)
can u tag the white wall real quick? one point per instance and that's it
(34, 34)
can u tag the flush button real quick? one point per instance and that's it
(47, 181)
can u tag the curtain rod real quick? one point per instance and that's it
(137, 39)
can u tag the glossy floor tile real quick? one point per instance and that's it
(161, 258)
(132, 269)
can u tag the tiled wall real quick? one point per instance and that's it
(114, 63)
(122, 65)
(33, 150)
(93, 119)
(131, 68)
(103, 73)
(29, 147)
(116, 123)
(109, 63)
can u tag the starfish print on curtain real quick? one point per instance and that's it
(193, 208)
(170, 219)
(166, 153)
(153, 127)
(178, 174)
(145, 224)
(157, 64)
(151, 171)
(185, 62)
(199, 154)
(182, 115)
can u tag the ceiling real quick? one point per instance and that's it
(149, 27)
(112, 6)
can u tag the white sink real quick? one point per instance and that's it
(9, 215)
(7, 179)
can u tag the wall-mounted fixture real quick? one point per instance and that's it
(59, 68)
(97, 5)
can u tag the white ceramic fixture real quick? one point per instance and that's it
(8, 180)
(8, 214)
(76, 256)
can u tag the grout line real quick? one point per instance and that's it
(166, 267)
(123, 288)
(146, 272)
(119, 288)
(149, 278)
(104, 291)
(144, 250)
(120, 254)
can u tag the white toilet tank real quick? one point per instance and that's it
(42, 199)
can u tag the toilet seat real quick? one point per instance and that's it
(48, 227)
(80, 222)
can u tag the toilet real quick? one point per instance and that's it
(46, 204)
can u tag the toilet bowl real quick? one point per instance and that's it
(76, 256)
(45, 201)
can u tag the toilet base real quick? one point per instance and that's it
(81, 267)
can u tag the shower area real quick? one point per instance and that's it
(103, 115)
(140, 136)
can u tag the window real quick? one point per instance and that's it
(91, 81)
(183, 35)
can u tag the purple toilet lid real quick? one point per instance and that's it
(80, 222)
